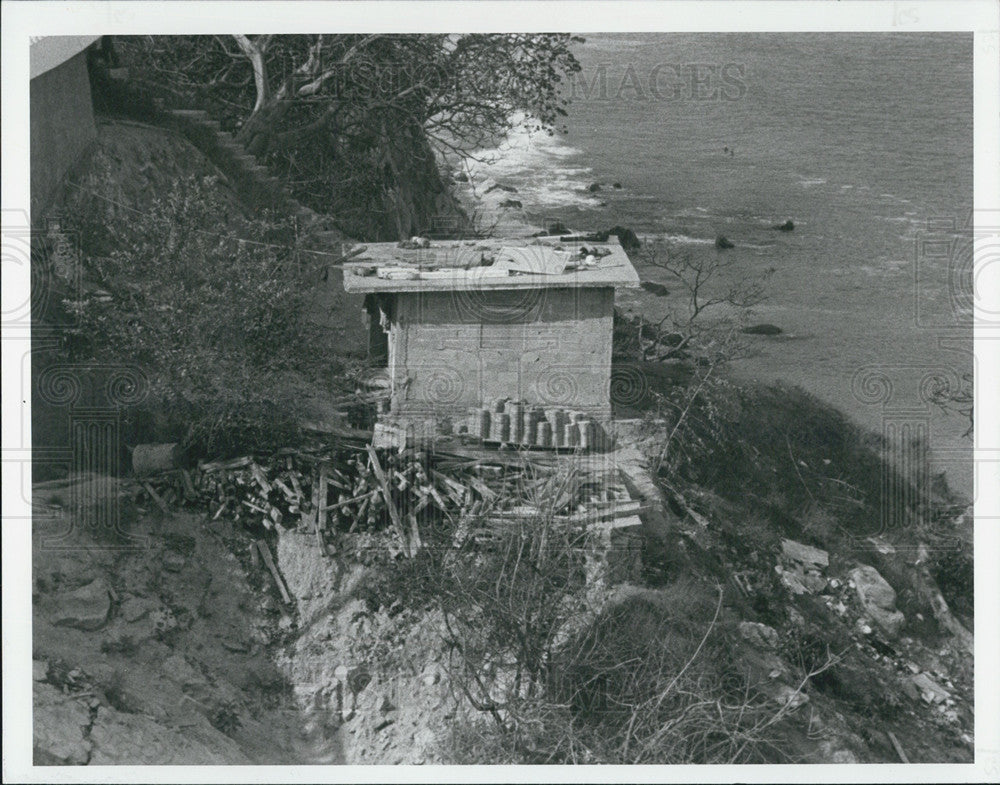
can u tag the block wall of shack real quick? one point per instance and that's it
(453, 351)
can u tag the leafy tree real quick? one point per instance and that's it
(351, 120)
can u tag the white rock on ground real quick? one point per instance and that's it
(878, 599)
(930, 690)
(759, 634)
(60, 727)
(805, 554)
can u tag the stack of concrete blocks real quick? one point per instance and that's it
(519, 424)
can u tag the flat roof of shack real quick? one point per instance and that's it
(417, 265)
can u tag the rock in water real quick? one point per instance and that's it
(594, 188)
(626, 237)
(723, 242)
(617, 186)
(787, 226)
(878, 599)
(762, 329)
(86, 608)
(557, 228)
(655, 288)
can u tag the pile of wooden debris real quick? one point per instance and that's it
(354, 487)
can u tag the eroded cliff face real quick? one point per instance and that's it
(166, 642)
(401, 193)
(154, 644)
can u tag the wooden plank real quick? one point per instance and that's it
(258, 475)
(415, 542)
(293, 476)
(308, 519)
(348, 502)
(265, 553)
(189, 491)
(898, 746)
(235, 463)
(290, 495)
(323, 490)
(155, 497)
(387, 495)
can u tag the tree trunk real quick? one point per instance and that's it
(255, 54)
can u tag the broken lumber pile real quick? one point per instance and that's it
(354, 488)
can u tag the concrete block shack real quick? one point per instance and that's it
(463, 326)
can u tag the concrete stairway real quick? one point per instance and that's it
(253, 181)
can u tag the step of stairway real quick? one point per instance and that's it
(193, 114)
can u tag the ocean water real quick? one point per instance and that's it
(863, 140)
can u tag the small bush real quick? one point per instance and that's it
(654, 678)
(225, 719)
(544, 733)
(213, 313)
(953, 570)
(782, 451)
(409, 582)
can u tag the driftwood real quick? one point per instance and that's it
(265, 553)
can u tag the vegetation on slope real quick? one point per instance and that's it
(209, 306)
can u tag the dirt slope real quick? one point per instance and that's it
(154, 647)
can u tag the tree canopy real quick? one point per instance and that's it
(347, 113)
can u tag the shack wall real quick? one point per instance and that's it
(452, 351)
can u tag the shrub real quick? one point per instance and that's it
(214, 314)
(780, 450)
(224, 718)
(654, 678)
(504, 604)
(952, 568)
